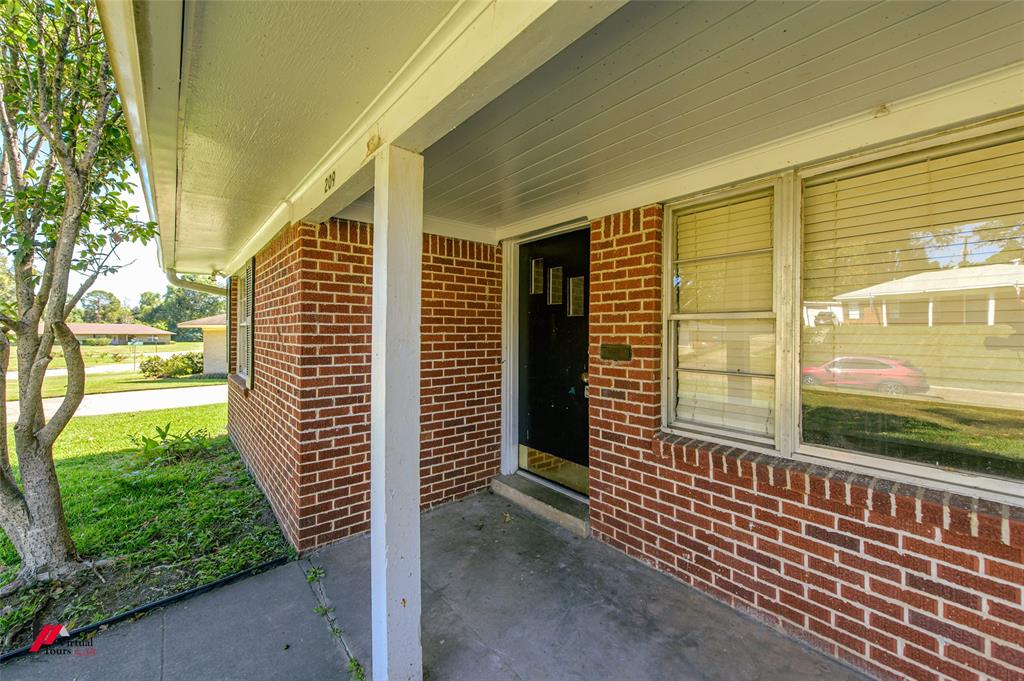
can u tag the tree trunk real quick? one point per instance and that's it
(35, 523)
(48, 548)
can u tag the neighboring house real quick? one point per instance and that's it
(979, 294)
(120, 334)
(214, 342)
(574, 239)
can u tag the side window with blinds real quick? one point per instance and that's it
(912, 343)
(229, 322)
(244, 309)
(721, 318)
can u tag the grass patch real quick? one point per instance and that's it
(171, 522)
(113, 354)
(983, 439)
(96, 384)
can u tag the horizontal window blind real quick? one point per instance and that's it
(921, 266)
(723, 260)
(722, 314)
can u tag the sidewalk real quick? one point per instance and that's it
(505, 598)
(262, 627)
(139, 400)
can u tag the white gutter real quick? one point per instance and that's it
(176, 280)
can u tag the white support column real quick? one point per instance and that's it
(395, 416)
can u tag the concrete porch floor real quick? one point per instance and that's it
(505, 598)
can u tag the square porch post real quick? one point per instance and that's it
(395, 416)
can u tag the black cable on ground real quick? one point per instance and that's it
(160, 603)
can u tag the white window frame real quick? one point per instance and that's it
(787, 295)
(670, 375)
(243, 340)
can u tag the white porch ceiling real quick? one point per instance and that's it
(528, 111)
(660, 87)
(266, 90)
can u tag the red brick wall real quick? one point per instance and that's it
(896, 580)
(460, 380)
(271, 445)
(304, 426)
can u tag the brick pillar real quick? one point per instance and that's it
(625, 397)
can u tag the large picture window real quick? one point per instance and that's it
(721, 318)
(868, 313)
(913, 288)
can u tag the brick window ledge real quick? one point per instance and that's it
(239, 382)
(846, 493)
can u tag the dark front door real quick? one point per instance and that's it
(554, 276)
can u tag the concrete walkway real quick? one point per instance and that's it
(139, 400)
(521, 600)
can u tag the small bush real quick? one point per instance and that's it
(184, 364)
(99, 340)
(167, 447)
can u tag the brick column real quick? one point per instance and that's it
(625, 397)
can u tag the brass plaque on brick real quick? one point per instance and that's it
(620, 353)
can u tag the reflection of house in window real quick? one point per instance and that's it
(982, 294)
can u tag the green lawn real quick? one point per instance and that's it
(984, 439)
(113, 354)
(95, 384)
(170, 524)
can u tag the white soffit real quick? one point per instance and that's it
(662, 88)
(266, 89)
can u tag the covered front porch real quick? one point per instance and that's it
(507, 596)
(398, 212)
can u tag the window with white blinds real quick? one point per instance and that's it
(721, 318)
(913, 309)
(243, 343)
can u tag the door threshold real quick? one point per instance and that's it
(561, 489)
(545, 500)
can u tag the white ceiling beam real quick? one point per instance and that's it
(479, 51)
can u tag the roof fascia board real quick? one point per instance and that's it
(961, 103)
(160, 28)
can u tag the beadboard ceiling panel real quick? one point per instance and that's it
(660, 87)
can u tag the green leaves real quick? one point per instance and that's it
(66, 149)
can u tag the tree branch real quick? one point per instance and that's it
(76, 385)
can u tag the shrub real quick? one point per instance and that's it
(183, 364)
(99, 340)
(167, 447)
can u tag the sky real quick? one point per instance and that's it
(141, 267)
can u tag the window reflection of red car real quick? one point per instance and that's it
(889, 376)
